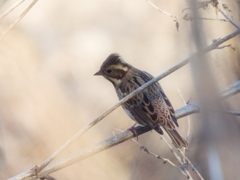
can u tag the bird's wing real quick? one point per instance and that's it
(167, 109)
(153, 112)
(151, 106)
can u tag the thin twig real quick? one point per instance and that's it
(183, 163)
(183, 166)
(193, 167)
(162, 11)
(189, 125)
(229, 45)
(184, 171)
(200, 5)
(18, 19)
(165, 160)
(188, 118)
(186, 17)
(11, 8)
(228, 18)
(172, 150)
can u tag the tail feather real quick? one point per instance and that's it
(177, 140)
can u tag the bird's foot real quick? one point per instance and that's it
(133, 130)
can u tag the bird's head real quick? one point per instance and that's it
(114, 69)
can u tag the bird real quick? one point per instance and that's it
(151, 107)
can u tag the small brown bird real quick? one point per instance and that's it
(150, 107)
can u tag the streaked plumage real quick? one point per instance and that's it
(150, 107)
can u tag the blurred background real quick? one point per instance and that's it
(48, 91)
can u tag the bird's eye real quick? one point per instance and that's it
(109, 71)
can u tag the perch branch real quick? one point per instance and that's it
(114, 140)
(213, 46)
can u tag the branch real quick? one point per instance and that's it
(162, 11)
(187, 17)
(213, 46)
(114, 140)
(199, 5)
(234, 113)
(228, 18)
(18, 19)
(165, 160)
(193, 108)
(231, 90)
(189, 122)
(181, 161)
(11, 8)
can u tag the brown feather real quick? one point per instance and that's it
(150, 107)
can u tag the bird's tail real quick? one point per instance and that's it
(177, 140)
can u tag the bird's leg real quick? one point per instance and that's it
(133, 126)
(132, 129)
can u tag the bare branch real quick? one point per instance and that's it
(229, 45)
(226, 16)
(188, 118)
(165, 160)
(183, 162)
(231, 90)
(162, 11)
(213, 46)
(187, 16)
(103, 145)
(183, 165)
(18, 19)
(113, 141)
(199, 5)
(235, 113)
(194, 108)
(193, 167)
(11, 8)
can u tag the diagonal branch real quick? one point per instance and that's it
(211, 47)
(10, 9)
(114, 140)
(234, 113)
(165, 160)
(18, 19)
(228, 18)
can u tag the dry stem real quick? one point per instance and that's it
(18, 19)
(213, 46)
(114, 140)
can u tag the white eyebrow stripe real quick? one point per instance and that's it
(119, 66)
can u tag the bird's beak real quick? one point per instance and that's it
(99, 73)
